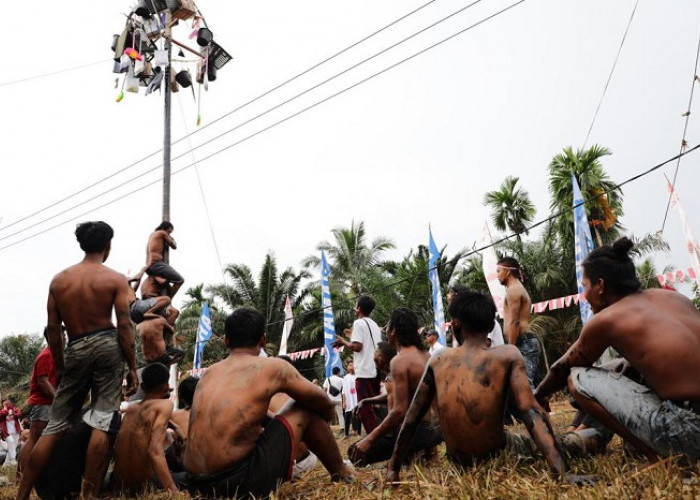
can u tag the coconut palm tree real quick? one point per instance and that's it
(511, 207)
(354, 263)
(267, 294)
(603, 210)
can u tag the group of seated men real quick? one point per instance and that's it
(239, 443)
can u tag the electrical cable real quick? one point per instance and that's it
(683, 140)
(393, 283)
(279, 122)
(253, 100)
(52, 73)
(612, 70)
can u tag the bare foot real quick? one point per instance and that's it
(345, 475)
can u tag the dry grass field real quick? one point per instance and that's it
(621, 476)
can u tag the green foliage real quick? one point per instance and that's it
(17, 356)
(511, 207)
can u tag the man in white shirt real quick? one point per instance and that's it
(334, 387)
(350, 400)
(366, 334)
(431, 338)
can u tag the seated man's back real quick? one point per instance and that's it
(471, 387)
(139, 457)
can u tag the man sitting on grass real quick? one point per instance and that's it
(139, 456)
(406, 369)
(655, 404)
(235, 448)
(470, 384)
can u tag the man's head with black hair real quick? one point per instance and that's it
(454, 290)
(245, 327)
(165, 226)
(609, 274)
(94, 237)
(185, 391)
(336, 370)
(509, 266)
(155, 377)
(364, 305)
(403, 326)
(383, 355)
(472, 313)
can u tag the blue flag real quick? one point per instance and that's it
(332, 357)
(437, 294)
(204, 333)
(583, 244)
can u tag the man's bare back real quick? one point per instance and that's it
(648, 328)
(84, 295)
(158, 242)
(230, 407)
(471, 387)
(154, 332)
(138, 451)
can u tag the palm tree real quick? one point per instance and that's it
(267, 294)
(511, 207)
(187, 322)
(603, 211)
(353, 262)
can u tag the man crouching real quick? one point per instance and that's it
(139, 456)
(235, 448)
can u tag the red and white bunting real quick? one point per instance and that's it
(677, 277)
(558, 303)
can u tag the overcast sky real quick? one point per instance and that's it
(417, 145)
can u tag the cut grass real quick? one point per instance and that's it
(621, 475)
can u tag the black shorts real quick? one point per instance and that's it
(163, 270)
(260, 473)
(426, 437)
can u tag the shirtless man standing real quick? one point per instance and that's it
(406, 369)
(469, 383)
(658, 333)
(517, 316)
(158, 243)
(82, 297)
(234, 446)
(139, 457)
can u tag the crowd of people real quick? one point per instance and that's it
(252, 422)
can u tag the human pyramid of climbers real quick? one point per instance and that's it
(252, 422)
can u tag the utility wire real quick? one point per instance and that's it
(279, 122)
(612, 70)
(393, 283)
(248, 103)
(52, 73)
(684, 144)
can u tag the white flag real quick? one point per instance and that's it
(288, 324)
(690, 243)
(498, 291)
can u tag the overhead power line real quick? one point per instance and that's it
(52, 73)
(612, 70)
(225, 115)
(393, 283)
(266, 112)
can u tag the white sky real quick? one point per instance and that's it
(419, 144)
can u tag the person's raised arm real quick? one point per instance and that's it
(155, 447)
(354, 344)
(54, 334)
(591, 343)
(422, 400)
(169, 240)
(511, 324)
(537, 422)
(127, 338)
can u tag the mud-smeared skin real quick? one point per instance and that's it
(648, 329)
(470, 384)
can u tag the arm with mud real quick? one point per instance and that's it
(425, 393)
